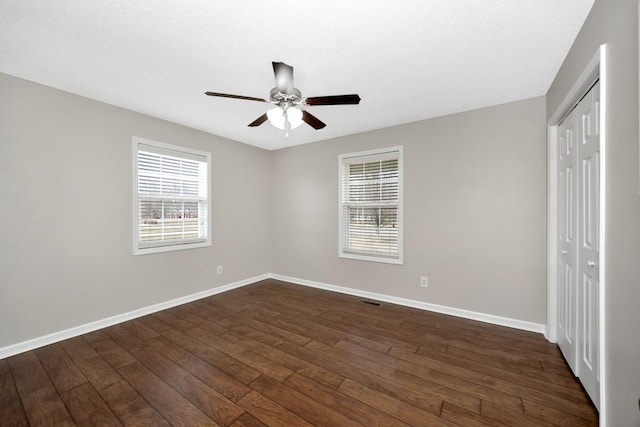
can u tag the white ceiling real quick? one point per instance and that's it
(408, 60)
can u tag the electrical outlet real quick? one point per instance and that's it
(424, 282)
(219, 269)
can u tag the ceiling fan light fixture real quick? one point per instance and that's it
(276, 117)
(294, 115)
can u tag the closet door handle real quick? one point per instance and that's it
(590, 263)
(564, 252)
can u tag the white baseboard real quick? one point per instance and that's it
(119, 318)
(458, 312)
(109, 321)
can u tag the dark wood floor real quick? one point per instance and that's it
(274, 353)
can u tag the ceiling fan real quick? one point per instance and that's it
(288, 112)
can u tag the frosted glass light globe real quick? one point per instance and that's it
(276, 117)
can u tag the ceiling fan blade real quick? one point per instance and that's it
(312, 120)
(333, 100)
(260, 120)
(284, 77)
(226, 95)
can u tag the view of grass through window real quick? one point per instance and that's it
(172, 197)
(370, 204)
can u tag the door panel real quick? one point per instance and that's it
(589, 248)
(567, 247)
(578, 241)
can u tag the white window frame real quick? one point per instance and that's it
(167, 246)
(361, 156)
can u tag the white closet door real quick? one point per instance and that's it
(578, 243)
(567, 243)
(588, 244)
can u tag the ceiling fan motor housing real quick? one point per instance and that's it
(279, 98)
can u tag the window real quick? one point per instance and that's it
(171, 197)
(371, 205)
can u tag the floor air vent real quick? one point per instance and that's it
(377, 304)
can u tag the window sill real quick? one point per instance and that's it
(170, 248)
(371, 258)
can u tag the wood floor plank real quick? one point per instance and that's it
(415, 391)
(269, 412)
(362, 333)
(558, 417)
(239, 305)
(140, 330)
(508, 416)
(354, 307)
(413, 333)
(498, 351)
(352, 408)
(301, 404)
(535, 379)
(248, 420)
(87, 407)
(95, 336)
(287, 302)
(557, 370)
(12, 413)
(41, 401)
(274, 353)
(112, 353)
(299, 326)
(465, 418)
(256, 361)
(220, 316)
(205, 398)
(198, 321)
(453, 389)
(238, 319)
(317, 325)
(217, 379)
(259, 309)
(512, 385)
(220, 360)
(476, 386)
(534, 373)
(396, 408)
(92, 365)
(171, 404)
(293, 363)
(11, 410)
(174, 321)
(125, 338)
(154, 323)
(131, 408)
(61, 370)
(521, 340)
(347, 317)
(257, 335)
(374, 332)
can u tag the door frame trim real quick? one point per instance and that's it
(596, 68)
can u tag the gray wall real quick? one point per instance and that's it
(66, 202)
(616, 24)
(475, 212)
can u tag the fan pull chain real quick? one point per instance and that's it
(287, 125)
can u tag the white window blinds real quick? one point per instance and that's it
(172, 197)
(371, 205)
